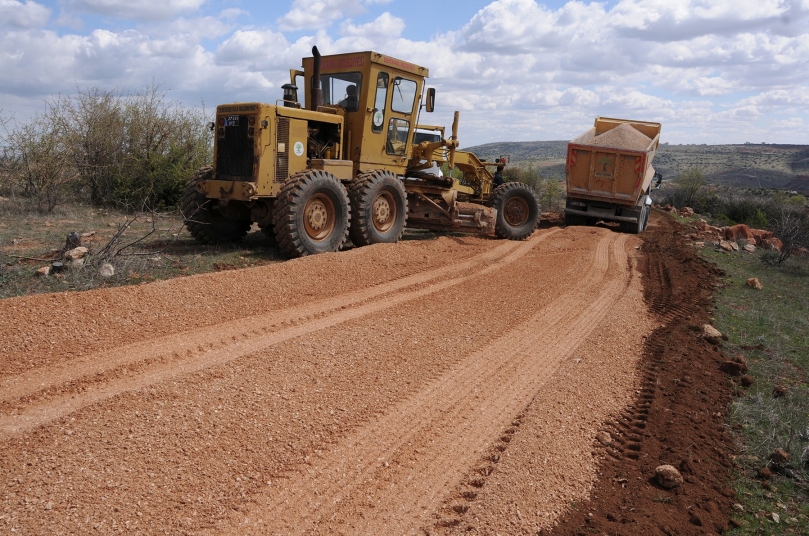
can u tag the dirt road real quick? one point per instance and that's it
(375, 391)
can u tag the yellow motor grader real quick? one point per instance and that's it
(346, 163)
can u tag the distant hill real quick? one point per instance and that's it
(745, 165)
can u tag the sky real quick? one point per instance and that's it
(711, 71)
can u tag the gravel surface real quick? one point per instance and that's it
(359, 392)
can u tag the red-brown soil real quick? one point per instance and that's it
(428, 386)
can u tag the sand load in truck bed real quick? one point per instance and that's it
(624, 136)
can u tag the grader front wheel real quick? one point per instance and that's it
(205, 223)
(311, 214)
(517, 210)
(378, 208)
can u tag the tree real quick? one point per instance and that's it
(689, 185)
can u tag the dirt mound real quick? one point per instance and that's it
(624, 136)
(678, 415)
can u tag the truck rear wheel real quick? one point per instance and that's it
(311, 214)
(517, 210)
(639, 226)
(204, 222)
(378, 208)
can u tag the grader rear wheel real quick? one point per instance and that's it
(311, 214)
(204, 222)
(378, 208)
(517, 210)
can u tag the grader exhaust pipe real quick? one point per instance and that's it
(317, 87)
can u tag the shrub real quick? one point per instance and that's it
(792, 228)
(35, 164)
(119, 149)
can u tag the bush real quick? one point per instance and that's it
(792, 228)
(119, 149)
(35, 164)
(550, 190)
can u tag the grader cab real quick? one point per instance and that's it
(347, 161)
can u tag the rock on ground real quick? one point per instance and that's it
(753, 282)
(668, 476)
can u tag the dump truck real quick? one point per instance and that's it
(609, 173)
(345, 161)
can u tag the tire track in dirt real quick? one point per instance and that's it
(35, 381)
(407, 460)
(207, 347)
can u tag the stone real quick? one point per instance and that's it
(764, 473)
(106, 270)
(734, 246)
(76, 253)
(746, 380)
(699, 244)
(687, 211)
(88, 234)
(737, 232)
(42, 272)
(733, 368)
(77, 263)
(750, 248)
(73, 241)
(779, 391)
(711, 334)
(725, 245)
(753, 282)
(604, 438)
(772, 244)
(780, 456)
(800, 252)
(668, 476)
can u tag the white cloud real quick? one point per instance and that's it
(318, 13)
(517, 69)
(23, 15)
(138, 9)
(385, 26)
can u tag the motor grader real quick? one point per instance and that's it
(345, 163)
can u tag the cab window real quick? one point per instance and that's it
(398, 130)
(378, 117)
(342, 89)
(404, 95)
(299, 82)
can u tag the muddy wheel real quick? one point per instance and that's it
(517, 210)
(639, 226)
(204, 222)
(311, 214)
(378, 208)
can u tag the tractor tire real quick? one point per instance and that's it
(204, 222)
(311, 214)
(517, 210)
(378, 208)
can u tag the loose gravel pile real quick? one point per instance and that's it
(624, 136)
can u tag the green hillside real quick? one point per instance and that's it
(746, 165)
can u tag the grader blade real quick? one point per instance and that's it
(476, 216)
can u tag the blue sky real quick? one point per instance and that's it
(712, 71)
